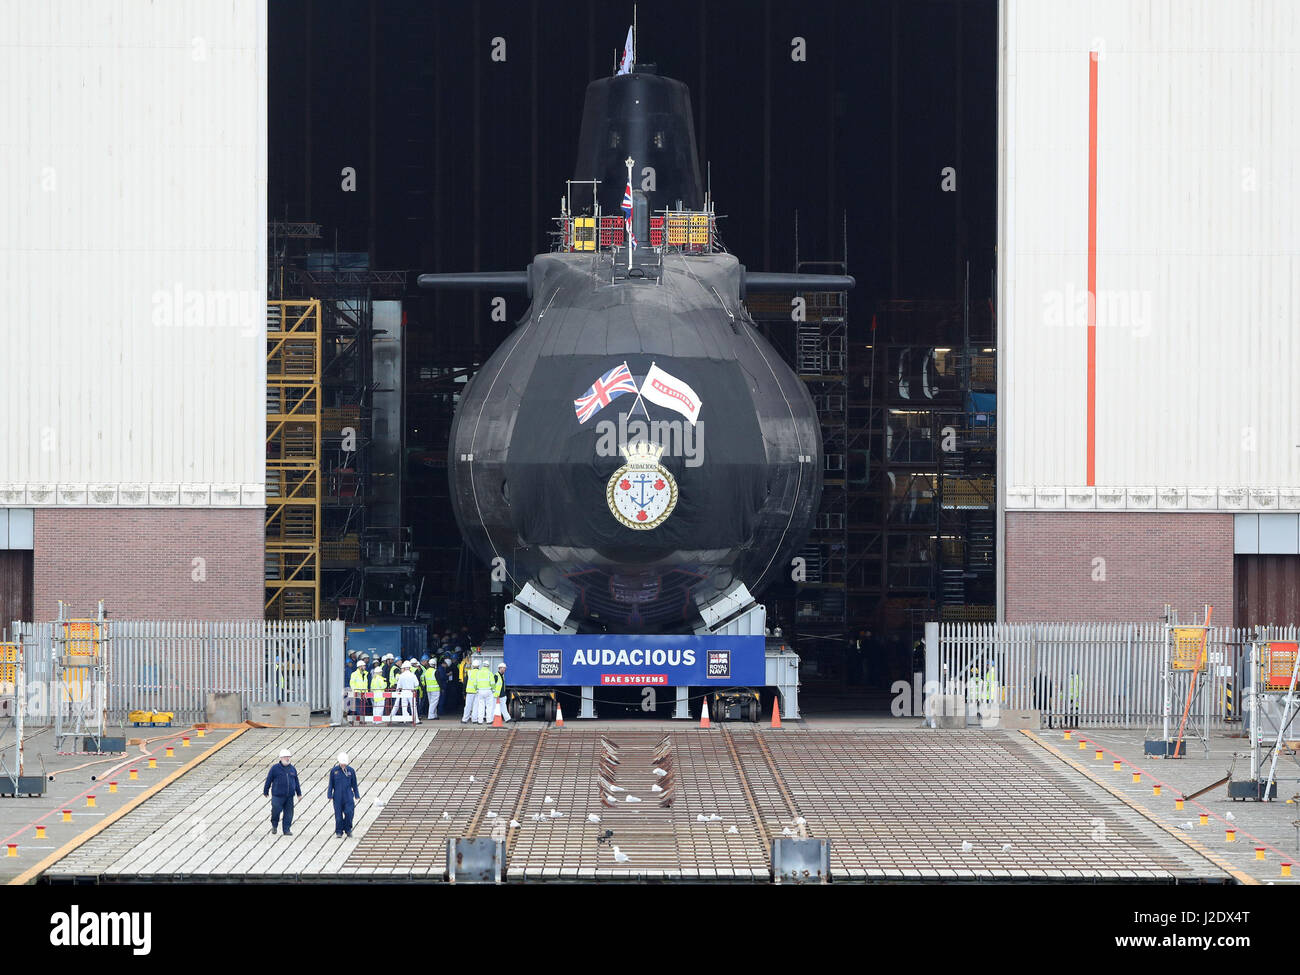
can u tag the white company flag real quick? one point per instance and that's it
(625, 67)
(663, 389)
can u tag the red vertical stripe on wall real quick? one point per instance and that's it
(1092, 268)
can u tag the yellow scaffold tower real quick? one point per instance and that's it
(293, 459)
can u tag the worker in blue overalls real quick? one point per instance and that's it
(343, 790)
(282, 785)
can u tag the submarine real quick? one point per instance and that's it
(635, 457)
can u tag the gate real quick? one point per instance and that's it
(1114, 668)
(172, 665)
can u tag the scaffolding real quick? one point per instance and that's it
(1273, 706)
(821, 361)
(293, 459)
(13, 693)
(1186, 660)
(81, 674)
(965, 514)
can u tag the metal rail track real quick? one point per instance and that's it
(744, 782)
(517, 811)
(486, 797)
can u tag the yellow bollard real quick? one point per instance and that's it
(1083, 743)
(67, 815)
(202, 732)
(1116, 765)
(1259, 853)
(1230, 836)
(134, 773)
(1097, 757)
(112, 787)
(153, 762)
(170, 751)
(1137, 777)
(185, 743)
(13, 850)
(90, 802)
(1155, 790)
(1205, 819)
(1286, 870)
(1178, 804)
(40, 832)
(1068, 734)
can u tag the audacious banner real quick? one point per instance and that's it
(602, 660)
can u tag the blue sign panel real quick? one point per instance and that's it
(604, 660)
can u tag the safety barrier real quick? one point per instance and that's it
(172, 665)
(1083, 674)
(384, 713)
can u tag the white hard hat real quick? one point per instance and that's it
(501, 666)
(343, 758)
(406, 665)
(388, 656)
(285, 753)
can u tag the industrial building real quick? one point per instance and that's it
(1146, 446)
(135, 257)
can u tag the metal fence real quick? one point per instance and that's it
(1116, 668)
(172, 665)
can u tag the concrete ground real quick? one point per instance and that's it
(897, 802)
(883, 795)
(1271, 825)
(20, 816)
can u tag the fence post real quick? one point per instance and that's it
(334, 661)
(931, 670)
(1128, 674)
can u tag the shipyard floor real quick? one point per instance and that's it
(897, 802)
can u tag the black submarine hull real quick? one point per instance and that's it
(531, 481)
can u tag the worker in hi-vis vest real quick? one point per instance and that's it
(499, 692)
(360, 684)
(1073, 691)
(432, 689)
(472, 668)
(378, 684)
(486, 699)
(992, 694)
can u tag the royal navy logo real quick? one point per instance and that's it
(642, 493)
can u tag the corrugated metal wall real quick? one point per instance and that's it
(1197, 253)
(133, 229)
(1268, 588)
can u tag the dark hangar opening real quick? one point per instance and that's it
(409, 136)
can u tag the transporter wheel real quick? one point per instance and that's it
(548, 709)
(753, 711)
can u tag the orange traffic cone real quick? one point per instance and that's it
(704, 713)
(559, 715)
(496, 716)
(776, 712)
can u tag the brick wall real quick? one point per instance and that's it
(1151, 558)
(140, 561)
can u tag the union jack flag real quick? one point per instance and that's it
(603, 391)
(627, 215)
